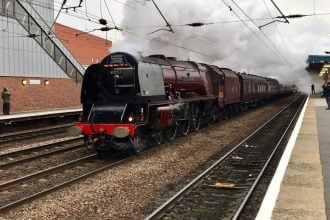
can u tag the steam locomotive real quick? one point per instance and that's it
(130, 103)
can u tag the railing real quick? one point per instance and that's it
(43, 34)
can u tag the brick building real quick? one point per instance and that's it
(42, 70)
(86, 48)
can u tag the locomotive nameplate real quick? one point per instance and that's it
(120, 59)
(117, 58)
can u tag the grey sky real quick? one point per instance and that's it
(231, 44)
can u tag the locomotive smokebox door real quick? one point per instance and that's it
(151, 80)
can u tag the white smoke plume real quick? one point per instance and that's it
(231, 44)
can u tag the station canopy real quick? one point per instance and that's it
(318, 63)
(325, 70)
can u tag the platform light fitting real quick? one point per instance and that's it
(24, 82)
(46, 82)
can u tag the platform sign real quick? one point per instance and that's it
(117, 58)
(34, 82)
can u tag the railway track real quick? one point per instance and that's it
(24, 189)
(27, 188)
(222, 191)
(35, 133)
(45, 150)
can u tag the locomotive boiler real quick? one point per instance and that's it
(130, 103)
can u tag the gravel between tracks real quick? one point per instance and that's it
(29, 167)
(132, 190)
(25, 144)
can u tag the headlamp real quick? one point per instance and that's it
(120, 132)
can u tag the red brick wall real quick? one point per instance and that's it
(60, 93)
(84, 47)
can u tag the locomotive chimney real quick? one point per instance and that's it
(160, 56)
(172, 58)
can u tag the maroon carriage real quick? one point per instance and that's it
(133, 102)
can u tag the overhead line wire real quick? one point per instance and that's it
(127, 5)
(170, 44)
(265, 35)
(164, 18)
(77, 11)
(255, 34)
(173, 25)
(210, 56)
(173, 45)
(86, 11)
(182, 47)
(101, 8)
(17, 35)
(278, 31)
(163, 42)
(287, 21)
(106, 5)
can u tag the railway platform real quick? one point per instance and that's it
(300, 188)
(15, 117)
(29, 120)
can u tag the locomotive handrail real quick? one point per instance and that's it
(89, 114)
(122, 114)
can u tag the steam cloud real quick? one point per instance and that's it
(231, 45)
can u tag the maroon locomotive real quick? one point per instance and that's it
(130, 103)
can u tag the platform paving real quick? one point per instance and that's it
(38, 113)
(323, 127)
(300, 188)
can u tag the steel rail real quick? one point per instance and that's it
(247, 197)
(31, 134)
(157, 213)
(40, 147)
(45, 172)
(46, 154)
(77, 179)
(66, 183)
